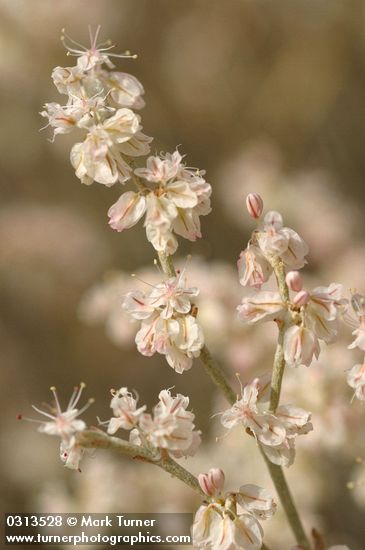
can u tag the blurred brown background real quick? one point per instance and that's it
(255, 92)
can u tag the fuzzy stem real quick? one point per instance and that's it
(99, 440)
(286, 499)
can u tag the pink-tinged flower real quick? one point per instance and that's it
(300, 345)
(170, 427)
(301, 298)
(295, 420)
(161, 169)
(68, 80)
(217, 529)
(264, 426)
(257, 501)
(64, 424)
(358, 305)
(356, 380)
(263, 306)
(71, 454)
(294, 281)
(242, 533)
(91, 58)
(127, 211)
(124, 89)
(253, 268)
(212, 483)
(322, 311)
(180, 197)
(277, 241)
(125, 410)
(254, 205)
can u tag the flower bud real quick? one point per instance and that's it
(255, 205)
(217, 477)
(294, 281)
(301, 299)
(212, 482)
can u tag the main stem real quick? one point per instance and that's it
(217, 375)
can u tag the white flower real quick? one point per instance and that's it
(257, 501)
(253, 268)
(125, 410)
(66, 425)
(168, 327)
(219, 530)
(125, 90)
(127, 211)
(277, 241)
(263, 306)
(322, 311)
(170, 427)
(71, 454)
(180, 197)
(300, 346)
(358, 305)
(264, 426)
(356, 380)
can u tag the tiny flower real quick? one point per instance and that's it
(256, 501)
(264, 306)
(301, 298)
(253, 268)
(264, 426)
(65, 425)
(125, 410)
(127, 211)
(294, 281)
(300, 345)
(212, 483)
(255, 205)
(356, 380)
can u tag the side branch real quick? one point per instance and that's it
(99, 440)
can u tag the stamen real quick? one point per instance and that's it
(52, 417)
(53, 390)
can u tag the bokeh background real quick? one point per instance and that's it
(266, 96)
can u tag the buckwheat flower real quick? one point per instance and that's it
(294, 281)
(212, 483)
(358, 305)
(127, 211)
(257, 501)
(98, 159)
(125, 90)
(64, 424)
(170, 427)
(125, 410)
(356, 380)
(91, 58)
(253, 268)
(300, 346)
(68, 80)
(323, 309)
(71, 454)
(180, 197)
(278, 241)
(217, 529)
(254, 205)
(267, 429)
(263, 306)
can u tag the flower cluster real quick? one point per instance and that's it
(65, 425)
(309, 316)
(171, 426)
(230, 520)
(178, 197)
(168, 322)
(275, 433)
(100, 103)
(356, 375)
